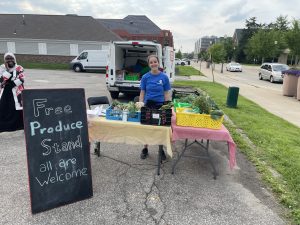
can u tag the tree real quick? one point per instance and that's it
(292, 39)
(281, 23)
(229, 48)
(203, 55)
(178, 54)
(251, 27)
(188, 55)
(251, 24)
(217, 53)
(265, 44)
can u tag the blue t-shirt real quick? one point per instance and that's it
(154, 86)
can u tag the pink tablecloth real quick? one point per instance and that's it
(203, 133)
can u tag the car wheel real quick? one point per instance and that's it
(114, 94)
(260, 76)
(77, 68)
(183, 64)
(271, 79)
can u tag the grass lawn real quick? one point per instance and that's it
(187, 71)
(49, 66)
(276, 144)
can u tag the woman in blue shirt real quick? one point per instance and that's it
(155, 90)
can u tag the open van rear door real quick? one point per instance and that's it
(169, 62)
(110, 69)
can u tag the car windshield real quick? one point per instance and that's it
(280, 67)
(235, 64)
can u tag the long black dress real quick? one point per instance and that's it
(10, 118)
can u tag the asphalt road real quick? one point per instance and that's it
(249, 76)
(127, 189)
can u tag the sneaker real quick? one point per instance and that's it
(144, 153)
(163, 155)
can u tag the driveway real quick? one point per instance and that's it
(127, 189)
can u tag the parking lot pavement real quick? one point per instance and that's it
(128, 191)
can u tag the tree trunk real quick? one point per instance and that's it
(222, 68)
(212, 72)
(200, 67)
(296, 60)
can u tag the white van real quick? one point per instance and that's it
(127, 63)
(90, 60)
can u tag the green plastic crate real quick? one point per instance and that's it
(181, 104)
(133, 77)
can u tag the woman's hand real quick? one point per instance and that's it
(6, 75)
(139, 104)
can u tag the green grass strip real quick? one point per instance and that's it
(48, 66)
(187, 71)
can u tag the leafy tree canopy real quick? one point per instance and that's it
(178, 54)
(293, 37)
(217, 52)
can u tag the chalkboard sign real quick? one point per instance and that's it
(57, 146)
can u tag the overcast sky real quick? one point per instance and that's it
(188, 20)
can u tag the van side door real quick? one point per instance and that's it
(264, 71)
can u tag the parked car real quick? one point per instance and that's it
(272, 72)
(180, 62)
(187, 61)
(233, 66)
(90, 60)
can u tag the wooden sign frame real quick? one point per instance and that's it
(57, 145)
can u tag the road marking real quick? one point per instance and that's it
(41, 81)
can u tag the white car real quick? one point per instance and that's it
(272, 72)
(233, 66)
(179, 62)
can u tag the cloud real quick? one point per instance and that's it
(187, 20)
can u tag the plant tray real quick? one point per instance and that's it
(186, 119)
(112, 114)
(178, 94)
(181, 104)
(159, 117)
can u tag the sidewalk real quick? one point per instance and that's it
(288, 108)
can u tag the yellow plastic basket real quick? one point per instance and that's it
(186, 119)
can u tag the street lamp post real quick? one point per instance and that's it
(275, 43)
(233, 55)
(210, 42)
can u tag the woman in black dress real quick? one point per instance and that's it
(11, 81)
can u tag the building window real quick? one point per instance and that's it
(11, 47)
(166, 34)
(42, 48)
